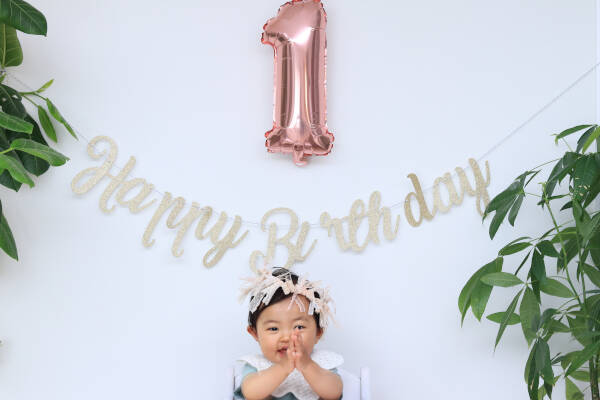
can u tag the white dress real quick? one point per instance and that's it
(294, 385)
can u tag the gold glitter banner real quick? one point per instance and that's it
(132, 193)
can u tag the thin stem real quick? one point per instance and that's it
(32, 94)
(28, 99)
(594, 378)
(533, 194)
(548, 162)
(564, 253)
(563, 139)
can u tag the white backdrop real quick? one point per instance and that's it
(186, 87)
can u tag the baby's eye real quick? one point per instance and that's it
(272, 329)
(300, 326)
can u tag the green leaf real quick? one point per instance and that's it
(590, 228)
(498, 218)
(522, 263)
(560, 170)
(45, 86)
(572, 391)
(508, 313)
(567, 205)
(497, 317)
(503, 279)
(465, 298)
(595, 135)
(16, 169)
(513, 248)
(555, 288)
(46, 124)
(57, 116)
(533, 175)
(10, 100)
(594, 314)
(567, 358)
(593, 274)
(594, 191)
(579, 330)
(5, 178)
(9, 182)
(557, 326)
(541, 392)
(538, 267)
(514, 210)
(570, 248)
(529, 313)
(7, 241)
(545, 318)
(504, 198)
(14, 124)
(584, 356)
(481, 292)
(569, 131)
(508, 200)
(586, 172)
(584, 138)
(11, 54)
(519, 239)
(542, 361)
(39, 150)
(531, 376)
(566, 233)
(32, 164)
(537, 273)
(547, 248)
(23, 16)
(581, 375)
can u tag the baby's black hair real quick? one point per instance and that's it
(279, 295)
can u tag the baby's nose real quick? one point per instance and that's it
(286, 335)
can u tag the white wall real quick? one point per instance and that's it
(186, 87)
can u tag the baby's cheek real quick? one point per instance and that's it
(306, 337)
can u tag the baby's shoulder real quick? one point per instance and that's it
(327, 359)
(257, 361)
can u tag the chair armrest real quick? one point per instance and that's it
(365, 384)
(229, 383)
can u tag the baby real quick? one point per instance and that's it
(288, 316)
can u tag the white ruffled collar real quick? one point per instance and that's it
(295, 382)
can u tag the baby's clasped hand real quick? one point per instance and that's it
(300, 356)
(297, 356)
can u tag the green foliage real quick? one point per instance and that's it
(11, 54)
(23, 17)
(23, 149)
(563, 262)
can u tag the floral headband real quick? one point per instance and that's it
(263, 286)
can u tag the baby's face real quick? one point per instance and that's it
(276, 324)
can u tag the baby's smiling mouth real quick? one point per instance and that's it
(282, 350)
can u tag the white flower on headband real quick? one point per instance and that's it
(263, 286)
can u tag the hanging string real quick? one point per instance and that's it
(516, 130)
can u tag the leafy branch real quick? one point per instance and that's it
(574, 249)
(23, 149)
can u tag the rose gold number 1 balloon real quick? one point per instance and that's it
(297, 35)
